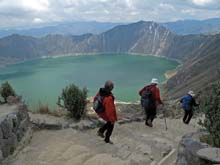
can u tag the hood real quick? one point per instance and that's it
(104, 92)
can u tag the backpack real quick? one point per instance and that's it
(187, 102)
(97, 104)
(147, 98)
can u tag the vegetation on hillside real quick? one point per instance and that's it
(211, 107)
(74, 100)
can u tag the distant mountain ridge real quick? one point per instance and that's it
(74, 28)
(181, 27)
(141, 38)
(185, 27)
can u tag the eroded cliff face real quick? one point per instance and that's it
(198, 71)
(141, 37)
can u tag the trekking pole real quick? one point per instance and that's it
(164, 116)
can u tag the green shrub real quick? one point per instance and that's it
(74, 100)
(6, 90)
(211, 107)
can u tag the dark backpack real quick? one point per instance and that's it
(147, 98)
(187, 102)
(97, 104)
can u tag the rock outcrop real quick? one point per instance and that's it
(15, 128)
(192, 152)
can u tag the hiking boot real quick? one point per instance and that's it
(100, 134)
(146, 123)
(149, 123)
(185, 122)
(109, 141)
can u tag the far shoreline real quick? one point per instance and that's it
(88, 54)
(166, 74)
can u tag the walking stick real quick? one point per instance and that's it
(164, 116)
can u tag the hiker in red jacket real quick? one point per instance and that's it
(150, 98)
(109, 114)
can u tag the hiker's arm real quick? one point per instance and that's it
(194, 103)
(157, 96)
(141, 91)
(95, 97)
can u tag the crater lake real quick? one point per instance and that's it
(42, 80)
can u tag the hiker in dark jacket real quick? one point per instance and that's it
(109, 115)
(151, 106)
(188, 102)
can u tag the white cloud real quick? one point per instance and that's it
(39, 5)
(38, 20)
(202, 2)
(188, 11)
(205, 4)
(166, 6)
(27, 12)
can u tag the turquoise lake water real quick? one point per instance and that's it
(43, 80)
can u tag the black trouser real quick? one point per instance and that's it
(108, 127)
(150, 114)
(187, 117)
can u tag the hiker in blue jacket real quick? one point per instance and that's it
(188, 102)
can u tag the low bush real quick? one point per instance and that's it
(6, 90)
(74, 100)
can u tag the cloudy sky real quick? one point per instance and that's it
(26, 13)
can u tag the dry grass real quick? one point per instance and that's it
(45, 109)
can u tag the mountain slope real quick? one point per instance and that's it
(198, 71)
(140, 37)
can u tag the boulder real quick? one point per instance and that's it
(210, 154)
(13, 126)
(192, 152)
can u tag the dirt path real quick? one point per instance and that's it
(134, 143)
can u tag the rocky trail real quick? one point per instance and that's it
(134, 143)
